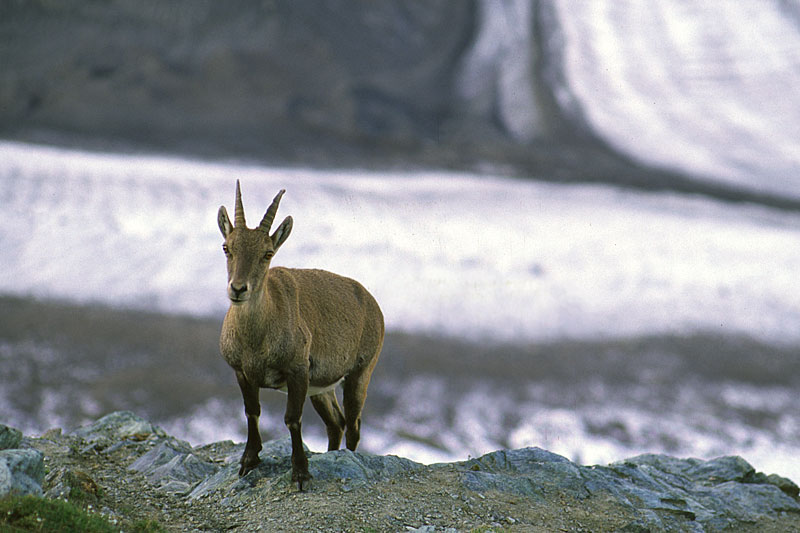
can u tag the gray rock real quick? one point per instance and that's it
(224, 478)
(352, 468)
(663, 492)
(275, 460)
(358, 467)
(718, 493)
(483, 481)
(659, 492)
(274, 449)
(9, 437)
(734, 502)
(21, 472)
(528, 472)
(116, 428)
(712, 472)
(786, 485)
(173, 468)
(522, 461)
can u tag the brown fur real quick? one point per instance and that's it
(294, 329)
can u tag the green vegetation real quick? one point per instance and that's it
(30, 513)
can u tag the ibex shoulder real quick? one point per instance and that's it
(322, 283)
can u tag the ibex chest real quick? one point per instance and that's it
(271, 378)
(257, 368)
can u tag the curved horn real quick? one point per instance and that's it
(238, 215)
(269, 216)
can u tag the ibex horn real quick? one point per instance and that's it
(238, 215)
(269, 216)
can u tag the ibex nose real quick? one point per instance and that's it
(237, 291)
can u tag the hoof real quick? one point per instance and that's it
(303, 480)
(247, 465)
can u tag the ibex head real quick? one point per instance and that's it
(249, 251)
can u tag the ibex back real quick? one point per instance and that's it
(298, 331)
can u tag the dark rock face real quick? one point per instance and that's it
(247, 77)
(662, 492)
(393, 84)
(9, 437)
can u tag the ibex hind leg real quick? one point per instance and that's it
(355, 393)
(328, 409)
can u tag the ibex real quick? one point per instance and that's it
(298, 331)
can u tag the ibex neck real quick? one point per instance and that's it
(251, 317)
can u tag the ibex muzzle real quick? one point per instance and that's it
(295, 330)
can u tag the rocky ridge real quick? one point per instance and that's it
(125, 467)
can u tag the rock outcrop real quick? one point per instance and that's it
(21, 471)
(647, 493)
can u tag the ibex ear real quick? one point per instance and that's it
(282, 232)
(224, 222)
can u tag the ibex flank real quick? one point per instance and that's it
(298, 331)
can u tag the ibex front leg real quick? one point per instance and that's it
(297, 387)
(252, 409)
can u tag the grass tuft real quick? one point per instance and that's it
(31, 513)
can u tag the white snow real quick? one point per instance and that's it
(477, 257)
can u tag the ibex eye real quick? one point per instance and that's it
(225, 249)
(269, 255)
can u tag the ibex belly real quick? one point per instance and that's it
(313, 390)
